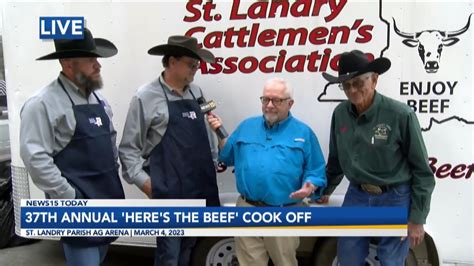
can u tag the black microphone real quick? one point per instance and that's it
(206, 108)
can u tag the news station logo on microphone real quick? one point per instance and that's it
(70, 28)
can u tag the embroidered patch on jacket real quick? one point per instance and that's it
(299, 140)
(382, 131)
(190, 115)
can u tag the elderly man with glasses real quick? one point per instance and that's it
(376, 143)
(167, 149)
(278, 162)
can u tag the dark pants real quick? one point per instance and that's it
(391, 251)
(174, 251)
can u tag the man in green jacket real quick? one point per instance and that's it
(376, 143)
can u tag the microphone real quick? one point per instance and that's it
(206, 108)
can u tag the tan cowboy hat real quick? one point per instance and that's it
(182, 45)
(87, 47)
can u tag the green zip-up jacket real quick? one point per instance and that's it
(382, 146)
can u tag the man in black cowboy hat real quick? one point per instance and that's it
(376, 143)
(167, 149)
(68, 140)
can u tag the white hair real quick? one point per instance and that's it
(288, 89)
(369, 73)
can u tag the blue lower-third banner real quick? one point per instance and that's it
(151, 218)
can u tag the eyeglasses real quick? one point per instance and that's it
(192, 64)
(275, 101)
(357, 83)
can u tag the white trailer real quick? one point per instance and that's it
(430, 44)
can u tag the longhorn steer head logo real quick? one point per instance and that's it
(430, 43)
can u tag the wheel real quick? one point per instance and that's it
(326, 254)
(215, 251)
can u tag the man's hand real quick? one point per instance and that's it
(215, 122)
(416, 233)
(147, 188)
(304, 192)
(323, 200)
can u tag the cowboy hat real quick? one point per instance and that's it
(86, 47)
(182, 45)
(355, 63)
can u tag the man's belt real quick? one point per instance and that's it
(263, 204)
(375, 189)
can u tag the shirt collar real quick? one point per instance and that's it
(372, 108)
(69, 85)
(278, 125)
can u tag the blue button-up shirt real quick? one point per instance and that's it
(271, 163)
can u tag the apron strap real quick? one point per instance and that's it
(64, 89)
(163, 88)
(98, 100)
(69, 96)
(192, 93)
(166, 95)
